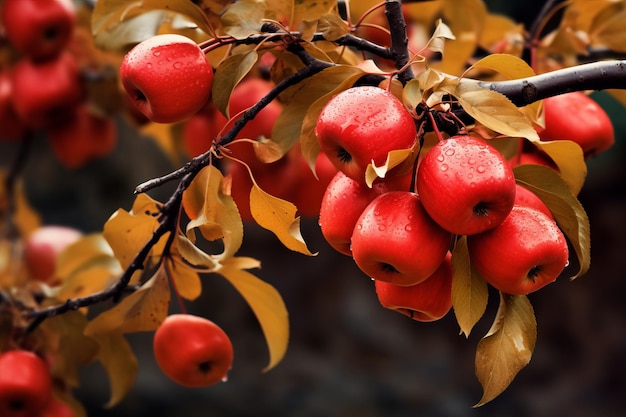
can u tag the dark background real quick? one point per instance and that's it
(347, 355)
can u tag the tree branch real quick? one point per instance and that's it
(593, 76)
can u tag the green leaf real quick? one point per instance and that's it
(228, 74)
(279, 217)
(508, 346)
(469, 290)
(265, 302)
(567, 210)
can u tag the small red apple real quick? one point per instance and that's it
(167, 77)
(362, 125)
(39, 29)
(25, 384)
(526, 198)
(44, 93)
(426, 301)
(11, 127)
(466, 185)
(521, 255)
(43, 246)
(396, 241)
(577, 117)
(192, 351)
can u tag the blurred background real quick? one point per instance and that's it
(347, 355)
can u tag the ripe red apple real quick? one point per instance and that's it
(396, 241)
(57, 408)
(25, 384)
(429, 300)
(310, 190)
(167, 77)
(466, 185)
(39, 29)
(11, 127)
(576, 116)
(201, 129)
(44, 93)
(342, 204)
(526, 198)
(192, 351)
(361, 125)
(83, 138)
(523, 254)
(43, 246)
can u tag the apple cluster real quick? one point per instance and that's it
(401, 229)
(43, 90)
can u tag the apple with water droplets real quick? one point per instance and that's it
(466, 185)
(526, 252)
(426, 301)
(362, 125)
(396, 241)
(167, 77)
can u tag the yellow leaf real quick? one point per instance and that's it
(25, 217)
(469, 291)
(120, 364)
(141, 311)
(228, 74)
(494, 110)
(567, 210)
(127, 232)
(243, 18)
(279, 217)
(265, 302)
(608, 28)
(507, 347)
(184, 280)
(440, 35)
(394, 159)
(192, 254)
(266, 150)
(88, 250)
(217, 215)
(569, 158)
(332, 27)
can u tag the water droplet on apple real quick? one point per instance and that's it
(408, 227)
(440, 158)
(382, 227)
(481, 169)
(178, 65)
(444, 167)
(449, 152)
(156, 53)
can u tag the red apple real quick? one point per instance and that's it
(43, 246)
(83, 138)
(523, 254)
(396, 241)
(39, 29)
(310, 189)
(362, 125)
(168, 77)
(44, 93)
(526, 198)
(11, 127)
(192, 351)
(25, 384)
(466, 185)
(576, 116)
(342, 204)
(429, 300)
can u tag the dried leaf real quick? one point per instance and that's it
(507, 347)
(184, 248)
(279, 217)
(440, 35)
(608, 28)
(469, 291)
(141, 311)
(185, 280)
(567, 210)
(120, 364)
(265, 302)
